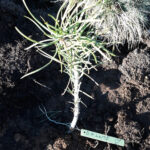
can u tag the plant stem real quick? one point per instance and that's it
(76, 109)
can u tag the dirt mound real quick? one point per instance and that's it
(136, 67)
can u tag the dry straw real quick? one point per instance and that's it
(117, 21)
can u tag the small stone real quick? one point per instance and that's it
(60, 144)
(49, 147)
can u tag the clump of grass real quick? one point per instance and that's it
(124, 20)
(75, 48)
(117, 21)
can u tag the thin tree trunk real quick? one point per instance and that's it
(76, 109)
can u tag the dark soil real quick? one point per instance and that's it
(121, 105)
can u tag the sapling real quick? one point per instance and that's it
(76, 48)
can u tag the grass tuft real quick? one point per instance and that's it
(124, 21)
(117, 21)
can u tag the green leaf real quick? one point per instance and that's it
(37, 70)
(29, 39)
